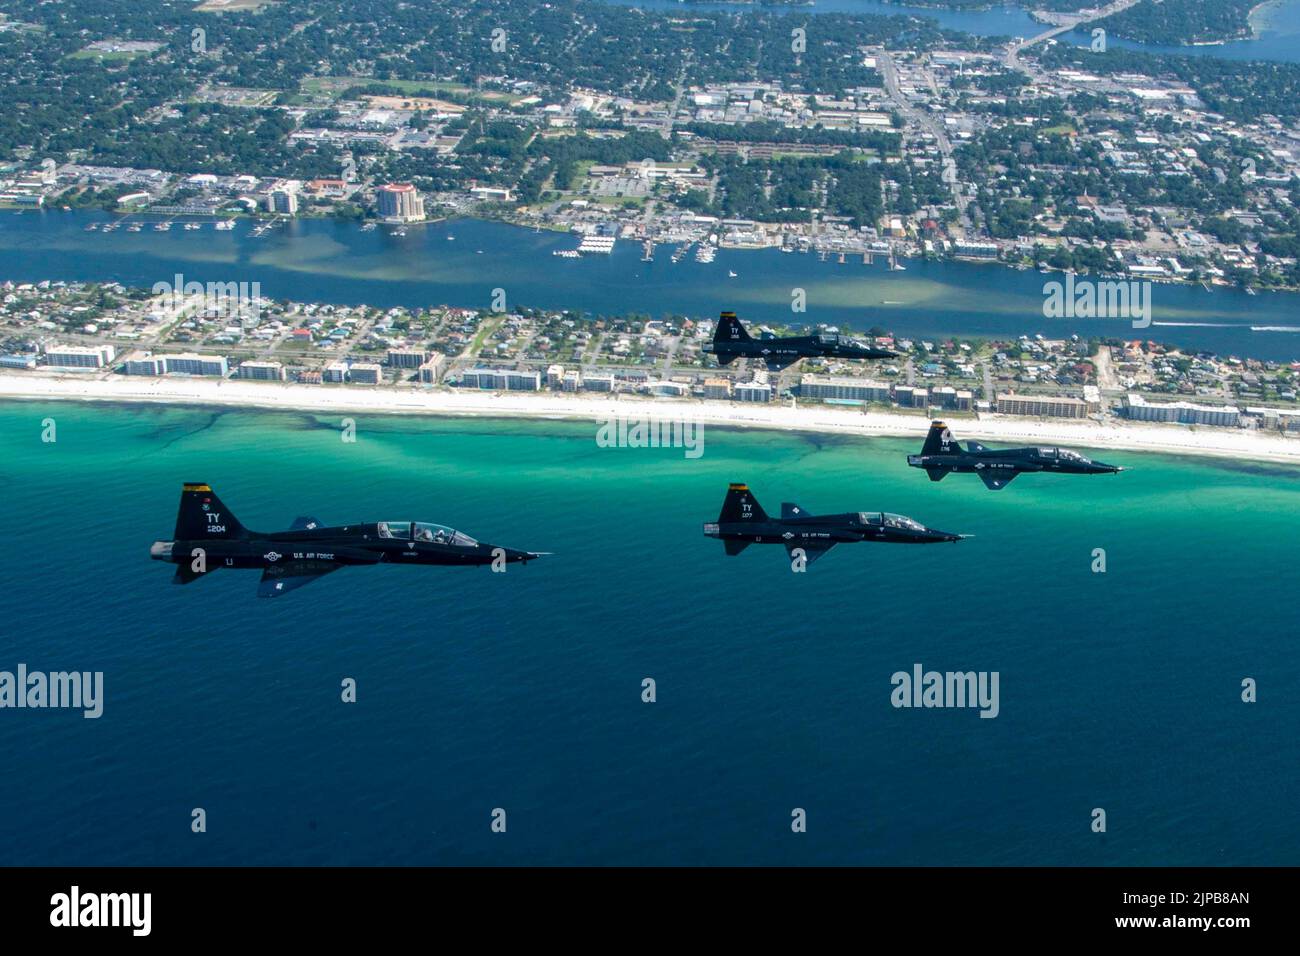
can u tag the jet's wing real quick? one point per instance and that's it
(281, 578)
(791, 510)
(811, 552)
(305, 523)
(937, 472)
(998, 481)
(776, 363)
(734, 547)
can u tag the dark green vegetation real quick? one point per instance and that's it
(56, 103)
(1182, 21)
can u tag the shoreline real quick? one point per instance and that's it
(517, 222)
(1202, 442)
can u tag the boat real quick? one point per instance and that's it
(135, 227)
(226, 225)
(451, 238)
(1251, 291)
(193, 226)
(730, 274)
(92, 227)
(369, 227)
(162, 226)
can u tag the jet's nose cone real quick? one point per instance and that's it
(511, 555)
(523, 557)
(948, 535)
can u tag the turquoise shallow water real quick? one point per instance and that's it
(522, 691)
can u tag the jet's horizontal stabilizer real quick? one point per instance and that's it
(281, 578)
(974, 446)
(304, 523)
(997, 482)
(734, 547)
(185, 574)
(791, 510)
(809, 552)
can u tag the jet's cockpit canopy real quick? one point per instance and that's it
(902, 521)
(869, 517)
(441, 534)
(1067, 455)
(424, 531)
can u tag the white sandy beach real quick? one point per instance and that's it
(1239, 444)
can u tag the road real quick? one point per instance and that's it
(923, 120)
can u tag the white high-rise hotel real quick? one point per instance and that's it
(400, 201)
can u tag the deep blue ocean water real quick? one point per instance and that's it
(523, 691)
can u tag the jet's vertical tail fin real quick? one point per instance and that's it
(202, 516)
(740, 505)
(730, 330)
(940, 441)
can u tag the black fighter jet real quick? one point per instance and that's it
(998, 466)
(208, 536)
(744, 522)
(731, 341)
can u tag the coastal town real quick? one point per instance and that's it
(839, 141)
(1034, 153)
(85, 332)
